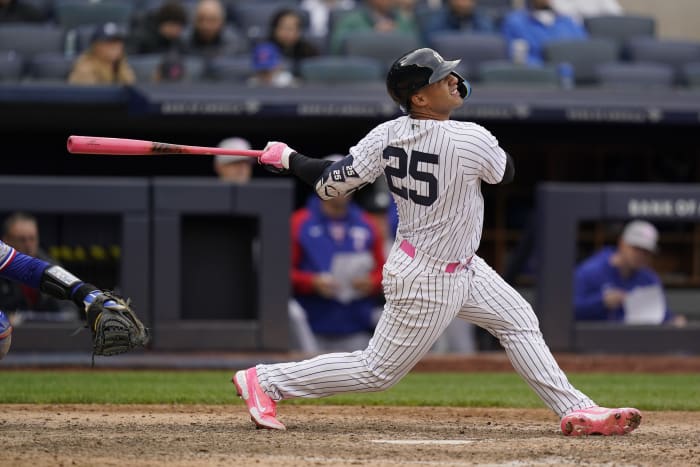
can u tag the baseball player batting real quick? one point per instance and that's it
(434, 167)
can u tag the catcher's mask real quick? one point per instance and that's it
(418, 69)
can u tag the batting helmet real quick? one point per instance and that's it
(418, 69)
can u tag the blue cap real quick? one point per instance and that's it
(108, 32)
(266, 56)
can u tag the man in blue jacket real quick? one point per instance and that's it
(537, 25)
(337, 260)
(603, 281)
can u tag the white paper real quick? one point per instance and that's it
(347, 266)
(645, 305)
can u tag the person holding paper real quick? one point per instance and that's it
(337, 260)
(618, 284)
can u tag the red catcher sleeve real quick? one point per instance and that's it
(377, 253)
(302, 281)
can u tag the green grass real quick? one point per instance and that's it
(645, 391)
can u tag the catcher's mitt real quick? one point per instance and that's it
(115, 328)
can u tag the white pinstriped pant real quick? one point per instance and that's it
(421, 301)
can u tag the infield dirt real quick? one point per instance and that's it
(178, 435)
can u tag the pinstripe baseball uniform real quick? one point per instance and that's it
(434, 169)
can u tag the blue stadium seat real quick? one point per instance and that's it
(384, 47)
(635, 75)
(229, 69)
(691, 74)
(333, 69)
(145, 66)
(11, 66)
(72, 13)
(507, 73)
(620, 28)
(30, 39)
(50, 67)
(583, 55)
(669, 52)
(473, 49)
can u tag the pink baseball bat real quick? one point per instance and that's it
(137, 147)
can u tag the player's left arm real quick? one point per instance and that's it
(490, 161)
(509, 171)
(114, 325)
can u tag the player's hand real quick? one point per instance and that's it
(325, 285)
(363, 285)
(613, 298)
(276, 154)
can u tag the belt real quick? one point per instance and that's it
(410, 250)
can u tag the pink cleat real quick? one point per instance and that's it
(600, 421)
(263, 410)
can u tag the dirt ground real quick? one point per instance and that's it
(103, 435)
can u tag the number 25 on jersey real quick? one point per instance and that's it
(396, 175)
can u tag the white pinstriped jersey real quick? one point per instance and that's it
(434, 169)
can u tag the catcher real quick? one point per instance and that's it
(115, 328)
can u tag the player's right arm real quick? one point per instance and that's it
(330, 179)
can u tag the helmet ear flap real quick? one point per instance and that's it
(464, 88)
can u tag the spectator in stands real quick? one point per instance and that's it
(337, 260)
(286, 34)
(407, 7)
(104, 62)
(459, 16)
(164, 32)
(237, 169)
(19, 11)
(373, 15)
(536, 25)
(582, 9)
(605, 283)
(269, 68)
(320, 13)
(210, 35)
(20, 231)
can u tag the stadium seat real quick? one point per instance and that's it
(340, 69)
(253, 18)
(635, 75)
(620, 28)
(50, 66)
(583, 55)
(72, 13)
(30, 39)
(670, 52)
(507, 73)
(473, 49)
(229, 69)
(145, 66)
(11, 66)
(691, 74)
(384, 47)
